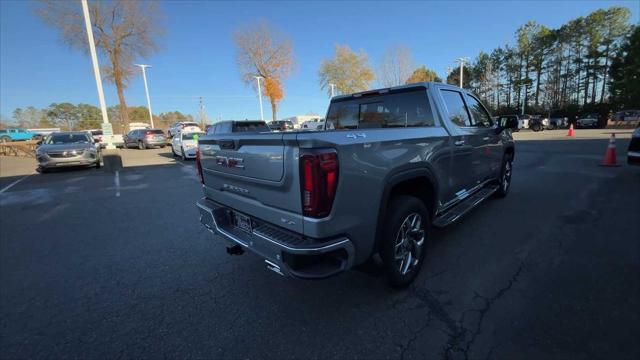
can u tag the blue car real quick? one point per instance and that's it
(16, 134)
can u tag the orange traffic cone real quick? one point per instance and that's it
(570, 130)
(610, 154)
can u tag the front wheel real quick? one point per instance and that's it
(99, 161)
(182, 155)
(505, 178)
(536, 127)
(141, 145)
(404, 240)
(173, 152)
(4, 139)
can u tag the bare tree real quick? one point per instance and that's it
(395, 66)
(348, 71)
(123, 31)
(262, 51)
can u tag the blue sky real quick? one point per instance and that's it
(197, 54)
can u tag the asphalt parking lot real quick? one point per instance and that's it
(551, 271)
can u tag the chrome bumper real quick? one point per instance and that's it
(283, 251)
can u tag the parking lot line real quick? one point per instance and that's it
(13, 183)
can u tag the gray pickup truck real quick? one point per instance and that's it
(390, 164)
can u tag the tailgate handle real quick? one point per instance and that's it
(227, 144)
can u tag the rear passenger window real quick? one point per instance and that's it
(481, 117)
(404, 109)
(458, 113)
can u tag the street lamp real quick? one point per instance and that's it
(146, 90)
(260, 96)
(461, 60)
(106, 127)
(333, 88)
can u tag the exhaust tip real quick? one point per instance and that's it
(273, 267)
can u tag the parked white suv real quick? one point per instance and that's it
(186, 126)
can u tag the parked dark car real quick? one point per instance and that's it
(145, 138)
(633, 152)
(558, 123)
(281, 125)
(627, 115)
(236, 126)
(587, 121)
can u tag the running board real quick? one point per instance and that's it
(452, 215)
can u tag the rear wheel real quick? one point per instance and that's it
(141, 145)
(505, 177)
(99, 161)
(182, 155)
(173, 152)
(404, 239)
(536, 127)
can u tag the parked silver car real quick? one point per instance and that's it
(144, 138)
(73, 148)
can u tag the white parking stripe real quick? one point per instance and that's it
(13, 183)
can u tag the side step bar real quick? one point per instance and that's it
(452, 215)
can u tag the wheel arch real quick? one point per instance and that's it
(418, 182)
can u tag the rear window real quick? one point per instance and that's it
(96, 132)
(189, 136)
(250, 126)
(404, 109)
(153, 132)
(189, 124)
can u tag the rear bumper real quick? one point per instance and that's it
(284, 252)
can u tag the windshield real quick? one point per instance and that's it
(189, 136)
(56, 139)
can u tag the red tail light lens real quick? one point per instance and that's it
(318, 181)
(199, 166)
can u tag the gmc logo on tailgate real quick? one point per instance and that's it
(230, 162)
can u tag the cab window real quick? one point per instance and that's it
(481, 117)
(458, 112)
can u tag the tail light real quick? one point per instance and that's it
(199, 166)
(318, 181)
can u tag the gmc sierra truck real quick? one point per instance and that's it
(389, 164)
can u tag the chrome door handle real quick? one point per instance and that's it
(459, 142)
(486, 138)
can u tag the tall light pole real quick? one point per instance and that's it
(449, 70)
(96, 72)
(333, 89)
(146, 90)
(260, 97)
(461, 60)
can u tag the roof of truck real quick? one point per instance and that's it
(395, 88)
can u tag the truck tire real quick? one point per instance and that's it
(4, 139)
(404, 238)
(505, 177)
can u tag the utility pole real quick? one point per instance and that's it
(449, 70)
(106, 125)
(260, 97)
(333, 88)
(524, 98)
(461, 60)
(146, 90)
(201, 114)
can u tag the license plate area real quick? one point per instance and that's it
(242, 222)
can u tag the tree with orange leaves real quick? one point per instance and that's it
(261, 51)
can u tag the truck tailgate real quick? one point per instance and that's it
(255, 174)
